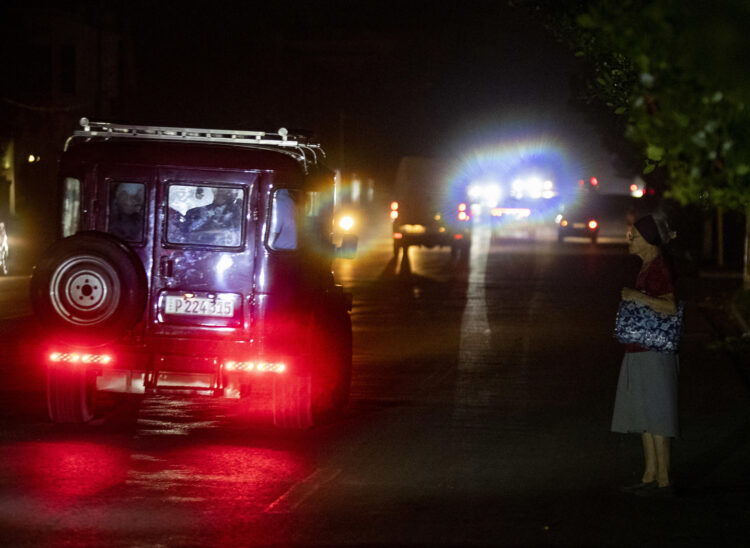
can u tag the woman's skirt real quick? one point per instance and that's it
(646, 399)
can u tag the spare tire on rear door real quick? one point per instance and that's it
(89, 288)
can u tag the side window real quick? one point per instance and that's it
(318, 217)
(285, 218)
(126, 210)
(71, 206)
(205, 215)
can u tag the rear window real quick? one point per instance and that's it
(205, 215)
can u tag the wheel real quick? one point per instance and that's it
(321, 394)
(89, 288)
(292, 402)
(331, 379)
(70, 395)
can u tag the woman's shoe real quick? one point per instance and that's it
(666, 492)
(638, 487)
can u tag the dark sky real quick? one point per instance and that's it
(374, 80)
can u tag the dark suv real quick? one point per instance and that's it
(195, 262)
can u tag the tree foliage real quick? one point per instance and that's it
(672, 70)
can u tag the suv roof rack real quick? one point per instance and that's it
(296, 146)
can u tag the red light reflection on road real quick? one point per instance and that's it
(59, 473)
(77, 493)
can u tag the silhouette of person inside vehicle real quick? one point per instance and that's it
(283, 221)
(215, 223)
(126, 212)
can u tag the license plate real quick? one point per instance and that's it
(579, 225)
(198, 306)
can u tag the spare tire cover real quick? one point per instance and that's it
(89, 287)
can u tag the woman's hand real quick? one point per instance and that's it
(630, 294)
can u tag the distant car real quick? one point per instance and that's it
(3, 250)
(424, 212)
(579, 222)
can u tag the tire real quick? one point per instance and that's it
(292, 402)
(89, 289)
(71, 395)
(320, 395)
(330, 391)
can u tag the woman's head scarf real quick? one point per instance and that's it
(647, 228)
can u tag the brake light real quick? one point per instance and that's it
(593, 224)
(394, 206)
(458, 236)
(257, 367)
(79, 357)
(397, 235)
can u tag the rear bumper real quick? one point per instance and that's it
(224, 384)
(577, 232)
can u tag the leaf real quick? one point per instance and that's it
(742, 169)
(654, 153)
(586, 21)
(620, 110)
(649, 168)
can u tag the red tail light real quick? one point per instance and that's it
(80, 357)
(256, 367)
(458, 236)
(397, 235)
(593, 224)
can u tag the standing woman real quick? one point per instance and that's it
(646, 400)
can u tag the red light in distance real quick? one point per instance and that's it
(394, 206)
(397, 235)
(594, 181)
(462, 207)
(593, 224)
(458, 236)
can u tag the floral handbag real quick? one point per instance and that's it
(642, 325)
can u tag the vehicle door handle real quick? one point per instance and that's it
(166, 267)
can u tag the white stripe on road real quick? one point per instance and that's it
(474, 347)
(301, 491)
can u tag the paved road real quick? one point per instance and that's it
(480, 410)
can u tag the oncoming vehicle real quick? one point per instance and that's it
(195, 262)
